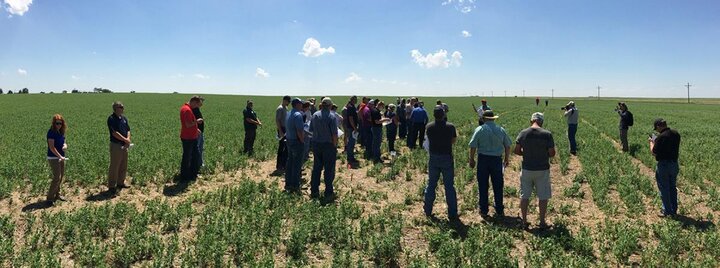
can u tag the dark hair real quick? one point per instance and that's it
(196, 98)
(286, 98)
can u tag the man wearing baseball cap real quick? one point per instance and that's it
(666, 149)
(295, 136)
(323, 127)
(489, 142)
(536, 146)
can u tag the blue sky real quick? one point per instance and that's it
(428, 47)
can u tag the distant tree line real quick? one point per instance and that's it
(27, 91)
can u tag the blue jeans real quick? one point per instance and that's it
(666, 177)
(490, 167)
(201, 148)
(325, 155)
(441, 164)
(572, 130)
(294, 165)
(350, 146)
(376, 142)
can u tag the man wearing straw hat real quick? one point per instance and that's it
(489, 143)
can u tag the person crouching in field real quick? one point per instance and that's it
(119, 145)
(189, 133)
(441, 136)
(536, 146)
(489, 142)
(324, 128)
(251, 123)
(56, 157)
(666, 149)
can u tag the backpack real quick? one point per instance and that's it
(630, 119)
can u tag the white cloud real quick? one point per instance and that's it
(353, 78)
(456, 58)
(259, 72)
(74, 77)
(464, 6)
(201, 76)
(22, 72)
(466, 34)
(438, 59)
(312, 48)
(17, 7)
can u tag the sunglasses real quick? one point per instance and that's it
(58, 123)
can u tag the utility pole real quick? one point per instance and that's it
(688, 87)
(598, 92)
(553, 94)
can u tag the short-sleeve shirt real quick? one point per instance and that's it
(119, 124)
(294, 123)
(572, 115)
(249, 114)
(482, 109)
(490, 139)
(59, 141)
(322, 126)
(198, 115)
(536, 143)
(419, 115)
(281, 115)
(440, 135)
(366, 120)
(374, 117)
(351, 112)
(186, 115)
(667, 145)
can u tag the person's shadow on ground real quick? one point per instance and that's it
(101, 196)
(700, 225)
(176, 189)
(36, 205)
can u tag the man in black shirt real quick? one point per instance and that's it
(666, 149)
(201, 126)
(251, 122)
(351, 125)
(626, 121)
(441, 136)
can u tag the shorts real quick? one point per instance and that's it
(538, 179)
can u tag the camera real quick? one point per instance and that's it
(566, 107)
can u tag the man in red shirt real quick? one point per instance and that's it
(189, 133)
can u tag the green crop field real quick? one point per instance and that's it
(604, 210)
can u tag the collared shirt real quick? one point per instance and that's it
(419, 115)
(323, 126)
(248, 113)
(119, 124)
(186, 115)
(490, 139)
(293, 123)
(667, 145)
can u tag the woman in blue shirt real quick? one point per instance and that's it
(56, 156)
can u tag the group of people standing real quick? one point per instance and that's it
(306, 127)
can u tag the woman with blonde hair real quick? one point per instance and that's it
(56, 156)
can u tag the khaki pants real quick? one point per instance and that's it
(57, 168)
(118, 165)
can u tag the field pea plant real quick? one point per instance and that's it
(603, 211)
